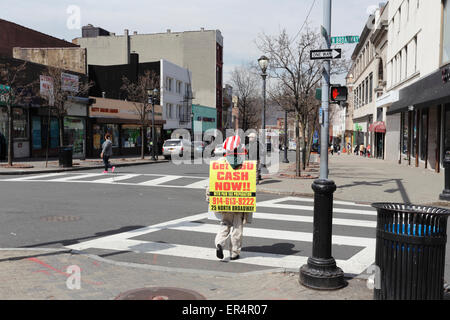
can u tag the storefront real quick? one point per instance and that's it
(120, 119)
(424, 109)
(45, 129)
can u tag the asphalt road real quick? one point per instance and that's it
(157, 215)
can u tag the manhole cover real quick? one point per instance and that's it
(60, 218)
(159, 293)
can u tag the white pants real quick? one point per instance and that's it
(232, 227)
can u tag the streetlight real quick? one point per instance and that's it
(263, 64)
(153, 94)
(285, 160)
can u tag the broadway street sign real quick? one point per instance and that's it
(344, 39)
(326, 54)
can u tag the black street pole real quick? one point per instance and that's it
(285, 160)
(153, 131)
(321, 272)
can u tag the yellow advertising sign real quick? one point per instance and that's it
(232, 190)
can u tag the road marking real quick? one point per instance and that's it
(310, 219)
(116, 178)
(346, 203)
(198, 185)
(267, 204)
(158, 181)
(81, 176)
(34, 177)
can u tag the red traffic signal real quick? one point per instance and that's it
(339, 94)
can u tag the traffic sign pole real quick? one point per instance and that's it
(321, 271)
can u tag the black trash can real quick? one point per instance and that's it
(410, 251)
(65, 156)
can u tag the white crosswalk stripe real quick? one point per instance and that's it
(154, 180)
(260, 228)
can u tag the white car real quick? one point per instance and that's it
(219, 151)
(175, 146)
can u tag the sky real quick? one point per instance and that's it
(240, 21)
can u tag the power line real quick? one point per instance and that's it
(306, 19)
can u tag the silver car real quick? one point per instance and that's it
(175, 146)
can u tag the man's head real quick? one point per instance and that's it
(235, 151)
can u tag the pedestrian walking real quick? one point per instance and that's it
(107, 153)
(232, 223)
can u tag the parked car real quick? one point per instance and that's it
(175, 146)
(199, 147)
(292, 145)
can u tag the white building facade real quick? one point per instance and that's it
(417, 98)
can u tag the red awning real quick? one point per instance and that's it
(379, 127)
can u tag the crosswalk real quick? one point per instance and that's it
(146, 180)
(280, 236)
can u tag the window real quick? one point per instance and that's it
(370, 87)
(169, 84)
(169, 111)
(424, 135)
(407, 10)
(406, 62)
(188, 92)
(179, 111)
(446, 33)
(399, 23)
(405, 132)
(415, 54)
(20, 127)
(446, 128)
(179, 86)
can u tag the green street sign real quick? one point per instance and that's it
(344, 39)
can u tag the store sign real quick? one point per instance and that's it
(4, 94)
(69, 82)
(46, 88)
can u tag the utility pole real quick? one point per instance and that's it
(321, 272)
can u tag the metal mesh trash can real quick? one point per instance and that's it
(410, 251)
(65, 156)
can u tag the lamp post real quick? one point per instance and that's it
(153, 94)
(263, 64)
(285, 160)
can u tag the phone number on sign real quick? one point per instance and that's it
(234, 201)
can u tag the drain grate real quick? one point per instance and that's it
(160, 293)
(60, 218)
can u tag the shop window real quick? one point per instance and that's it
(414, 132)
(131, 136)
(405, 132)
(20, 127)
(446, 128)
(423, 135)
(99, 131)
(74, 133)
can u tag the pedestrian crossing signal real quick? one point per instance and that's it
(339, 94)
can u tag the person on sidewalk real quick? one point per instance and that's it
(232, 223)
(107, 153)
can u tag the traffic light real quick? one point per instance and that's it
(339, 94)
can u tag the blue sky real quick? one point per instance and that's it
(240, 21)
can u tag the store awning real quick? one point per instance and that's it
(379, 127)
(427, 92)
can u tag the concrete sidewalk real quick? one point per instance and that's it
(32, 274)
(363, 180)
(36, 166)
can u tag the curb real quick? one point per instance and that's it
(22, 172)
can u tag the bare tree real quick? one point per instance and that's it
(245, 86)
(60, 96)
(297, 77)
(17, 91)
(137, 93)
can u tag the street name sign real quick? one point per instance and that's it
(344, 39)
(326, 54)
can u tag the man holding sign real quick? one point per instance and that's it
(232, 195)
